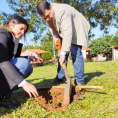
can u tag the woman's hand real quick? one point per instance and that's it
(39, 59)
(36, 59)
(30, 89)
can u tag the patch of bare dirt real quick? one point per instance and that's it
(52, 99)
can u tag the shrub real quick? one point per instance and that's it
(47, 56)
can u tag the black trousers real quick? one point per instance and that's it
(5, 88)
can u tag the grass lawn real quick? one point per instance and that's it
(97, 103)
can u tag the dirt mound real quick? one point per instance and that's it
(51, 99)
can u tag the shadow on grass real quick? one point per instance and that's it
(21, 96)
(89, 76)
(43, 82)
(47, 82)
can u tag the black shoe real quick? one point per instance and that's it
(7, 102)
(58, 81)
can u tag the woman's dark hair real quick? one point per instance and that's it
(16, 20)
(42, 6)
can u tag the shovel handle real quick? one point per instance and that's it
(68, 87)
(90, 87)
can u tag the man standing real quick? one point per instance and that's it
(70, 26)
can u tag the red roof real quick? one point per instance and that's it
(38, 51)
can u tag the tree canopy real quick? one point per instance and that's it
(99, 12)
(103, 45)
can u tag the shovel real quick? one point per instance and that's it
(68, 86)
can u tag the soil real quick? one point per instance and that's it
(52, 99)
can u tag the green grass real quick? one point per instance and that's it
(97, 103)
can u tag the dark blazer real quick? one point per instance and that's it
(9, 76)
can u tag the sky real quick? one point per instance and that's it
(4, 7)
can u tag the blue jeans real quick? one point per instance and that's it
(78, 65)
(60, 72)
(23, 66)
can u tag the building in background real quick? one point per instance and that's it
(86, 53)
(115, 53)
(33, 52)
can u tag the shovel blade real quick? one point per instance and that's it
(68, 89)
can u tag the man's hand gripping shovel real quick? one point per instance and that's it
(68, 86)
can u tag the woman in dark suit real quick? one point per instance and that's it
(14, 69)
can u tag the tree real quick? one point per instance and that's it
(47, 56)
(28, 47)
(115, 40)
(1, 17)
(46, 43)
(102, 12)
(27, 9)
(100, 45)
